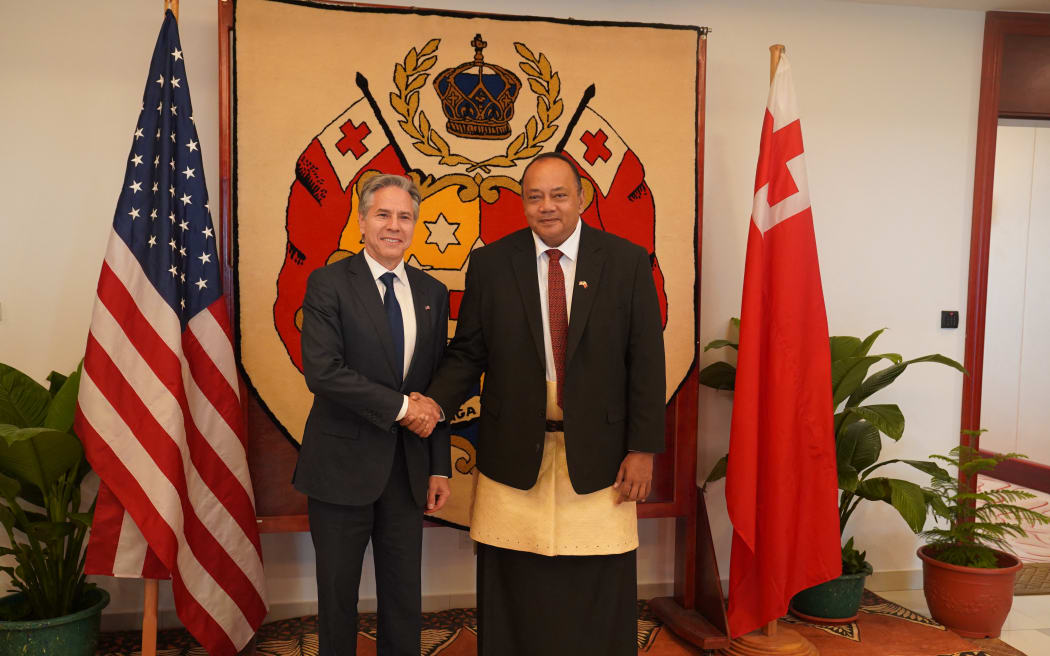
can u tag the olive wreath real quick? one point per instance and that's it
(411, 74)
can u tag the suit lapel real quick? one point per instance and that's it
(422, 306)
(589, 263)
(364, 285)
(524, 264)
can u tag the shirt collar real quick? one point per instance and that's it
(569, 248)
(378, 269)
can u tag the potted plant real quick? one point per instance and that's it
(53, 609)
(968, 577)
(859, 429)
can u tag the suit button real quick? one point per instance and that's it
(538, 447)
(542, 414)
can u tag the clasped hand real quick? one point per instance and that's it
(635, 478)
(422, 415)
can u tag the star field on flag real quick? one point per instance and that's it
(178, 270)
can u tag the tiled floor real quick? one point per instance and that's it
(1027, 626)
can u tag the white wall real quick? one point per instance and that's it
(888, 98)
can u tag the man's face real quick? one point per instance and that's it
(388, 226)
(551, 200)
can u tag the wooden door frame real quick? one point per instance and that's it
(997, 27)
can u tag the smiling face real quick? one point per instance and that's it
(551, 200)
(388, 225)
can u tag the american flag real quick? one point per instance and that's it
(159, 406)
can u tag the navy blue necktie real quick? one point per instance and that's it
(397, 323)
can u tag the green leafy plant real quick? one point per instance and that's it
(853, 561)
(977, 522)
(859, 427)
(42, 464)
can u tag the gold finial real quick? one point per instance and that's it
(479, 45)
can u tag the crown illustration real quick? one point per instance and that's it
(478, 98)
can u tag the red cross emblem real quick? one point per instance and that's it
(596, 147)
(353, 138)
(777, 149)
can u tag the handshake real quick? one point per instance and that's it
(422, 415)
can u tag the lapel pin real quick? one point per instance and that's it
(583, 283)
(427, 308)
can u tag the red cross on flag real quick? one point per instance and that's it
(597, 148)
(781, 484)
(352, 141)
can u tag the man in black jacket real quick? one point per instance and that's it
(373, 334)
(563, 321)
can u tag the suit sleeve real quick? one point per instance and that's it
(646, 380)
(467, 354)
(439, 442)
(327, 373)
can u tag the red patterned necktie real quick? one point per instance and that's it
(558, 316)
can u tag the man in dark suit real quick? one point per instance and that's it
(373, 334)
(564, 322)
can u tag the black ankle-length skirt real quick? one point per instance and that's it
(533, 605)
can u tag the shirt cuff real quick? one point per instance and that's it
(404, 410)
(439, 476)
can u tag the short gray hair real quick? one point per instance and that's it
(375, 183)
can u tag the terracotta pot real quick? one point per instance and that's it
(971, 601)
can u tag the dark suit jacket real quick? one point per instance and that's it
(614, 363)
(349, 364)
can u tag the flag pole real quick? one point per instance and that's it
(149, 618)
(151, 586)
(775, 51)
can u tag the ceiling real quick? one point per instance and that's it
(973, 5)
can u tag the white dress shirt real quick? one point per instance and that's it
(403, 294)
(570, 249)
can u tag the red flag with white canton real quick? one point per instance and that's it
(159, 406)
(781, 483)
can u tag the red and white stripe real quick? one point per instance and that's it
(160, 417)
